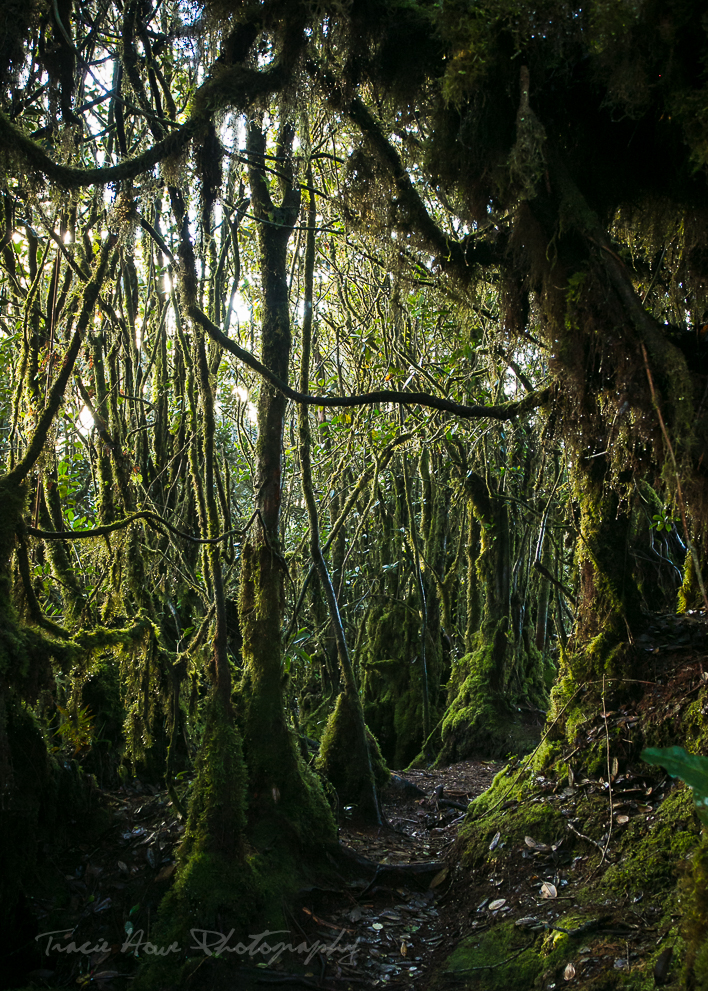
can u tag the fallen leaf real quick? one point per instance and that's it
(531, 842)
(621, 820)
(493, 844)
(404, 949)
(440, 877)
(496, 904)
(166, 872)
(548, 890)
(377, 926)
(569, 972)
(662, 965)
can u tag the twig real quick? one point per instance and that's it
(655, 277)
(152, 519)
(489, 966)
(609, 773)
(582, 836)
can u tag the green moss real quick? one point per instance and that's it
(480, 720)
(694, 893)
(509, 958)
(217, 809)
(492, 960)
(689, 594)
(609, 600)
(496, 810)
(652, 859)
(222, 883)
(392, 687)
(347, 766)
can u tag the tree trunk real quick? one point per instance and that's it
(278, 778)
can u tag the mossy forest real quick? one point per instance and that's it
(353, 494)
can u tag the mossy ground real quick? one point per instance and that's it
(546, 819)
(628, 909)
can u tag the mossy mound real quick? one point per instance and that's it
(482, 722)
(512, 958)
(618, 841)
(655, 866)
(507, 806)
(348, 768)
(653, 860)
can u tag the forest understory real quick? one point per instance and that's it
(573, 874)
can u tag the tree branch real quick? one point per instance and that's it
(152, 519)
(502, 411)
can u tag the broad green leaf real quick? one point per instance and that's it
(691, 768)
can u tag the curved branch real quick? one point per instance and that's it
(452, 255)
(152, 519)
(502, 411)
(233, 86)
(16, 142)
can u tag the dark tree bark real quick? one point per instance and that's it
(277, 777)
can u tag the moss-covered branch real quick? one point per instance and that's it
(500, 411)
(152, 519)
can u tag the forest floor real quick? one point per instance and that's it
(573, 880)
(105, 892)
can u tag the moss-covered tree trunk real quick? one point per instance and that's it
(345, 756)
(609, 607)
(278, 779)
(497, 671)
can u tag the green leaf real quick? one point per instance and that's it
(690, 768)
